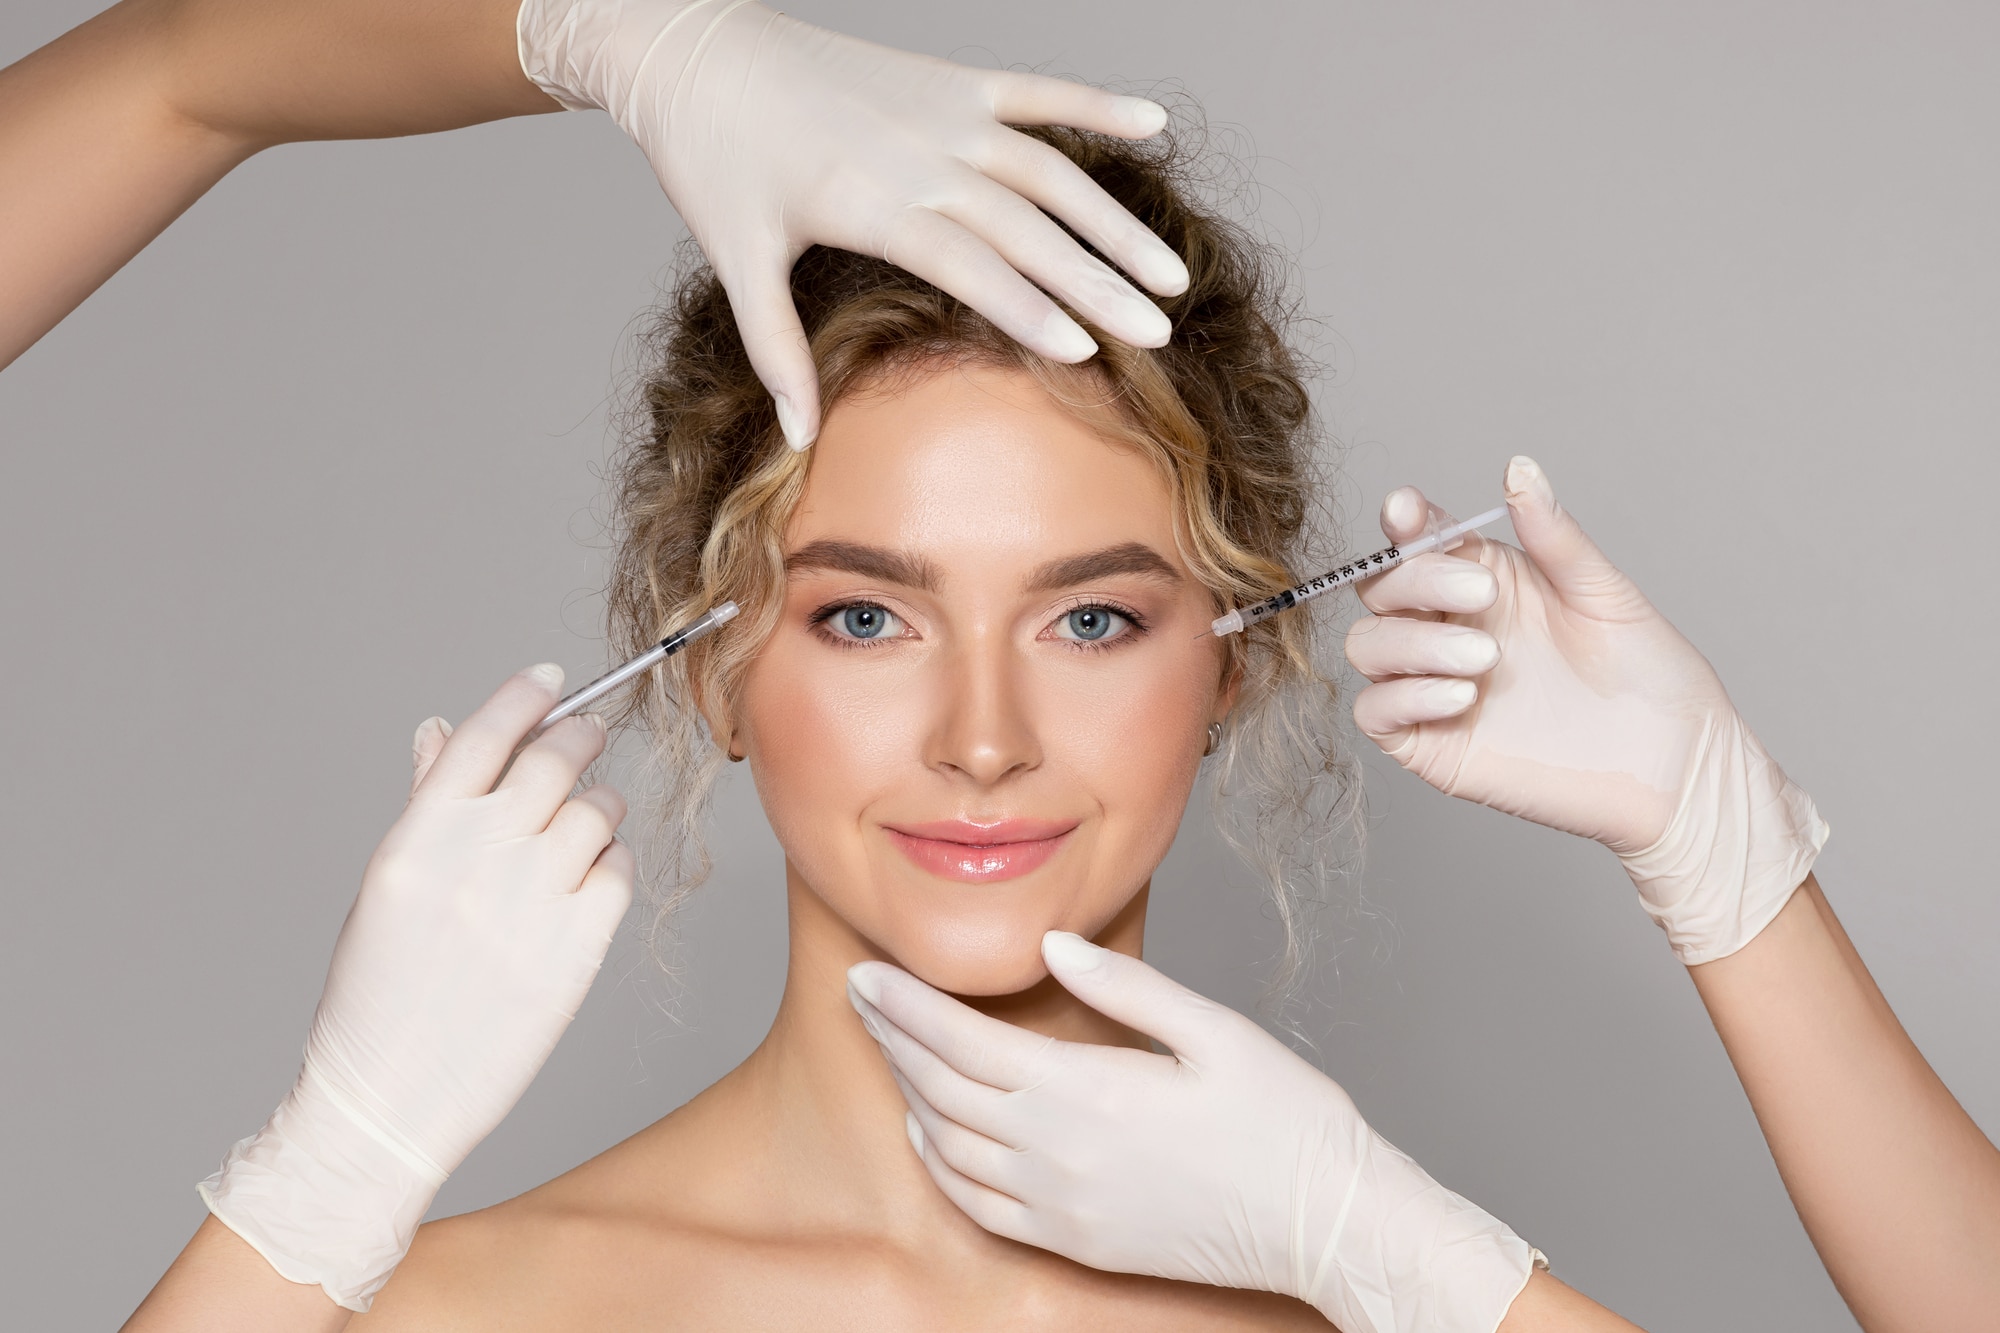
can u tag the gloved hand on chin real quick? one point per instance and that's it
(1230, 1161)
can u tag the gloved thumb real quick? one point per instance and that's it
(761, 300)
(1555, 541)
(425, 747)
(1121, 987)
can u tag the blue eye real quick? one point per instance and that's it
(1090, 624)
(863, 621)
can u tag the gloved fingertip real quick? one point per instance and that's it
(800, 427)
(426, 746)
(1151, 328)
(1163, 272)
(862, 981)
(1527, 485)
(914, 1130)
(1451, 695)
(1068, 953)
(1063, 339)
(1143, 117)
(1403, 512)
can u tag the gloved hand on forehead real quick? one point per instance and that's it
(1540, 681)
(1230, 1162)
(770, 135)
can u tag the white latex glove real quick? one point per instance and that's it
(1541, 682)
(770, 135)
(481, 922)
(1230, 1162)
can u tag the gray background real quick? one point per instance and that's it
(326, 459)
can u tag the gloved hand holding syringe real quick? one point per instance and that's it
(1437, 536)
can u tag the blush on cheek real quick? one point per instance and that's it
(1136, 742)
(825, 745)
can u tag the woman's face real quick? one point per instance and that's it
(983, 707)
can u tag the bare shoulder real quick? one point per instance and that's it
(585, 1251)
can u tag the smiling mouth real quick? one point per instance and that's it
(980, 853)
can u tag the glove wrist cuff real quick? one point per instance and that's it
(1743, 838)
(1404, 1254)
(325, 1199)
(577, 52)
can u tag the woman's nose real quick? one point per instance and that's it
(983, 729)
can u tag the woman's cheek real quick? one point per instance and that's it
(828, 738)
(1135, 736)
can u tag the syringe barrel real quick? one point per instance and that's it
(1436, 537)
(712, 620)
(1368, 566)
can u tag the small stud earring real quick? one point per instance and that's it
(1214, 739)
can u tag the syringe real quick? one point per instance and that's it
(1435, 538)
(644, 662)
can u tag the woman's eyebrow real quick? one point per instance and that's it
(1126, 558)
(875, 562)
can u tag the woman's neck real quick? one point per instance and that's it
(816, 1099)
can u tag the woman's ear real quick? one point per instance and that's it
(720, 720)
(1232, 685)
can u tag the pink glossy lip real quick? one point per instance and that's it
(981, 853)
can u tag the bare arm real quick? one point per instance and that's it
(1545, 1305)
(110, 132)
(220, 1285)
(1896, 1185)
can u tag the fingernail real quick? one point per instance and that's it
(1466, 584)
(866, 1013)
(1403, 507)
(1145, 117)
(597, 720)
(1469, 650)
(1147, 324)
(862, 982)
(547, 675)
(1071, 953)
(424, 729)
(793, 423)
(1455, 694)
(1065, 339)
(914, 1130)
(1526, 480)
(1164, 273)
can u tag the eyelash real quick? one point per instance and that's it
(817, 623)
(1136, 622)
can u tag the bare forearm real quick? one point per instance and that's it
(110, 132)
(1546, 1305)
(1896, 1185)
(220, 1285)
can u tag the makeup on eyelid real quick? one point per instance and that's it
(1091, 622)
(980, 853)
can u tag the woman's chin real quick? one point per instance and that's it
(993, 963)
